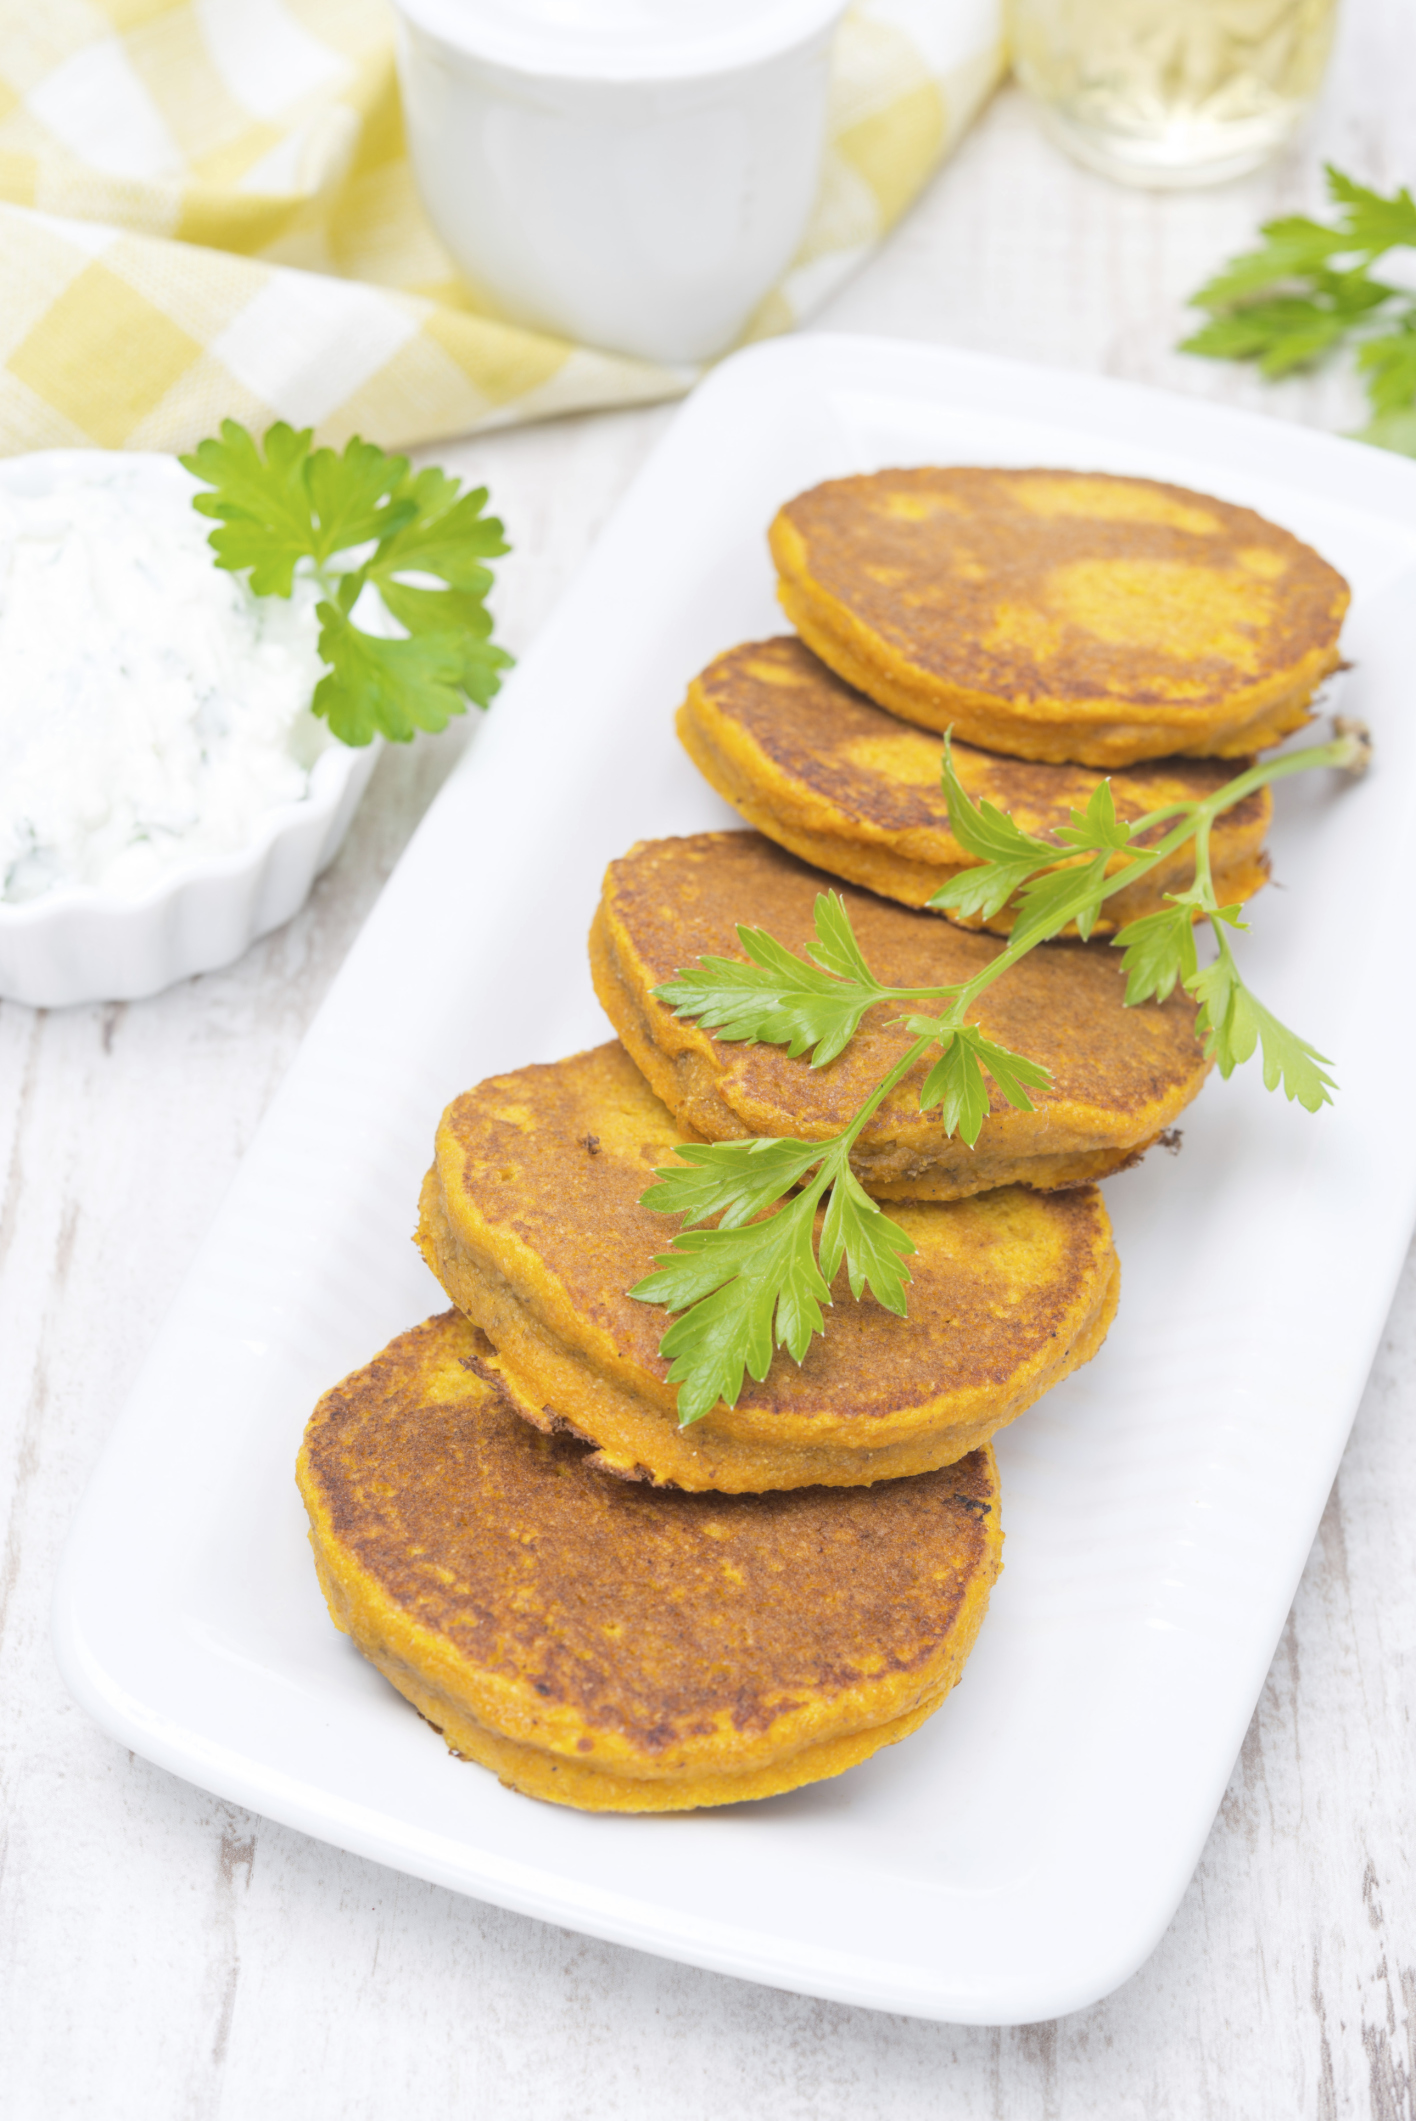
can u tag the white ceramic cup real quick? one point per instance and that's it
(633, 174)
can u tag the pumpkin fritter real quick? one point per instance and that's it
(1120, 1076)
(1061, 615)
(615, 1648)
(835, 779)
(531, 1220)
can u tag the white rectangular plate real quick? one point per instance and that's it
(1023, 1853)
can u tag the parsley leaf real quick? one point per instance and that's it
(1390, 363)
(734, 1180)
(1012, 863)
(359, 495)
(1287, 332)
(447, 539)
(1293, 246)
(956, 1081)
(1373, 224)
(745, 1290)
(278, 504)
(375, 687)
(755, 1282)
(1158, 950)
(836, 949)
(284, 507)
(956, 1084)
(1049, 902)
(1310, 289)
(1005, 856)
(1097, 829)
(1232, 1022)
(780, 998)
(874, 1248)
(981, 829)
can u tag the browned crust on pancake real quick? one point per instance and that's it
(538, 1242)
(1120, 1076)
(613, 1647)
(558, 1390)
(1061, 615)
(827, 774)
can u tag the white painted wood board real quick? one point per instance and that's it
(162, 1955)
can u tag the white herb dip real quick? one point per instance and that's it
(151, 708)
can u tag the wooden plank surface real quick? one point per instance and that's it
(162, 1954)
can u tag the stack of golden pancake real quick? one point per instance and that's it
(619, 1613)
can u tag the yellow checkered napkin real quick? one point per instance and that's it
(207, 211)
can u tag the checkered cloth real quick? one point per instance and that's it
(207, 211)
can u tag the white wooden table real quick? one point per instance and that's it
(163, 1954)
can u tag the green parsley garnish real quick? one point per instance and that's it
(285, 508)
(757, 1280)
(1311, 288)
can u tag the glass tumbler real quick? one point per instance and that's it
(1171, 92)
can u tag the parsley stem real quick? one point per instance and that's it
(1204, 884)
(1347, 752)
(847, 1141)
(836, 1155)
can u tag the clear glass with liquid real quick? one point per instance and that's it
(1171, 92)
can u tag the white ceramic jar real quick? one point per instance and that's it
(633, 174)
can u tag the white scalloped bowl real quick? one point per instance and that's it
(83, 943)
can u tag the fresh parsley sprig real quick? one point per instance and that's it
(758, 1278)
(749, 1286)
(1159, 949)
(1310, 288)
(285, 508)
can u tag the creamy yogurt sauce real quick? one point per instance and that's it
(151, 708)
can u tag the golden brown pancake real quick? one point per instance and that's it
(1120, 1076)
(827, 774)
(1061, 615)
(531, 1220)
(615, 1648)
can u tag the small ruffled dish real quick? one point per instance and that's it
(82, 944)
